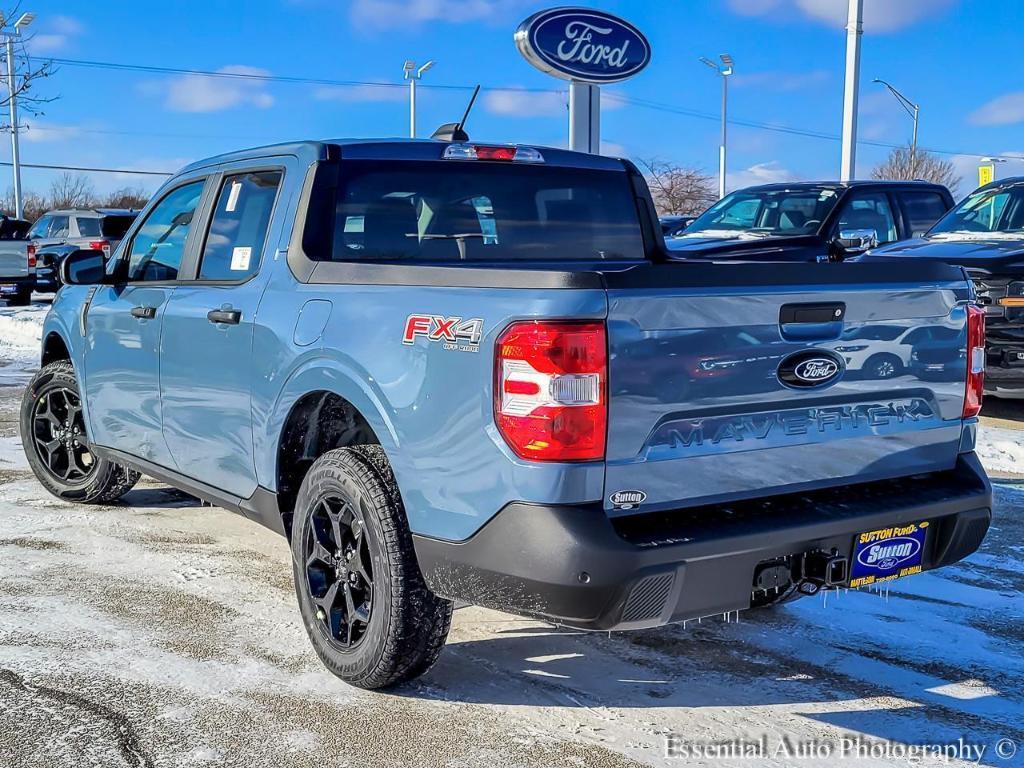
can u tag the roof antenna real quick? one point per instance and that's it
(456, 131)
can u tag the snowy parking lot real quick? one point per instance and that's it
(159, 632)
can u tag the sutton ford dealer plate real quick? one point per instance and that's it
(887, 554)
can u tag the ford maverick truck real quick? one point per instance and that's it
(450, 370)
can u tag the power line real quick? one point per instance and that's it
(47, 167)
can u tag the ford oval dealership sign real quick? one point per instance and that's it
(583, 44)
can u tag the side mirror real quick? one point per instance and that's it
(854, 241)
(85, 267)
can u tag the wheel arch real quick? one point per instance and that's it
(55, 348)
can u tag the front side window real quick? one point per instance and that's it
(158, 246)
(449, 211)
(765, 213)
(238, 230)
(870, 211)
(988, 212)
(59, 226)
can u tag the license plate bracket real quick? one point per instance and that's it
(889, 553)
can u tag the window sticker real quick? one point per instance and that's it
(240, 258)
(236, 190)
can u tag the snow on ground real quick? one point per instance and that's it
(1001, 450)
(20, 341)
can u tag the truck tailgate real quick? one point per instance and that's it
(14, 259)
(728, 381)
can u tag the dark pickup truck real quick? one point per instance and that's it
(985, 235)
(811, 221)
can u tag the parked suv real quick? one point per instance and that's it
(58, 233)
(984, 234)
(17, 265)
(811, 221)
(467, 371)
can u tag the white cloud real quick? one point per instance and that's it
(383, 92)
(519, 102)
(199, 93)
(613, 149)
(56, 33)
(879, 15)
(782, 81)
(761, 173)
(385, 14)
(1004, 110)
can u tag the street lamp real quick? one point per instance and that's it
(724, 70)
(915, 112)
(9, 36)
(412, 74)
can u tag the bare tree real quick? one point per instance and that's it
(33, 204)
(27, 72)
(677, 190)
(904, 165)
(71, 191)
(126, 197)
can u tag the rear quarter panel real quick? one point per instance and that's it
(430, 407)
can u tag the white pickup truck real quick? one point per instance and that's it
(17, 264)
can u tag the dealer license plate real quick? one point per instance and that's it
(887, 554)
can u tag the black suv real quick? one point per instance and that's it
(811, 221)
(985, 234)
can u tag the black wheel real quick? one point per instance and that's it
(57, 446)
(20, 299)
(370, 617)
(884, 366)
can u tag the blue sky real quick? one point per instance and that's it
(962, 60)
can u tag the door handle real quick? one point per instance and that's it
(144, 313)
(226, 316)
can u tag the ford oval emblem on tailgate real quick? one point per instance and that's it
(813, 368)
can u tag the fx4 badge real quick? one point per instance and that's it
(451, 332)
(627, 499)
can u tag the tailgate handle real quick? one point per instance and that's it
(793, 314)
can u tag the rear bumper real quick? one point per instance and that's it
(14, 285)
(574, 565)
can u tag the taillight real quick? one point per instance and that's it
(31, 257)
(100, 245)
(492, 152)
(975, 361)
(551, 382)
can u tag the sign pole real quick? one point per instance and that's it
(854, 30)
(584, 117)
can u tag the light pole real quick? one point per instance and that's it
(724, 70)
(914, 110)
(854, 32)
(412, 75)
(9, 36)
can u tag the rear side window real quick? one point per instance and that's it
(59, 226)
(116, 226)
(238, 230)
(450, 211)
(923, 209)
(87, 227)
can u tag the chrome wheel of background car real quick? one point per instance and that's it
(58, 429)
(339, 570)
(885, 369)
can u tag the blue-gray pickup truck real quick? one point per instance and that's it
(448, 370)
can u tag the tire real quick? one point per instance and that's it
(883, 366)
(50, 414)
(20, 299)
(369, 614)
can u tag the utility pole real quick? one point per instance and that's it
(412, 75)
(854, 32)
(725, 70)
(12, 90)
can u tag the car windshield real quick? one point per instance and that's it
(986, 214)
(764, 213)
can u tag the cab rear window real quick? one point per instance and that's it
(451, 211)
